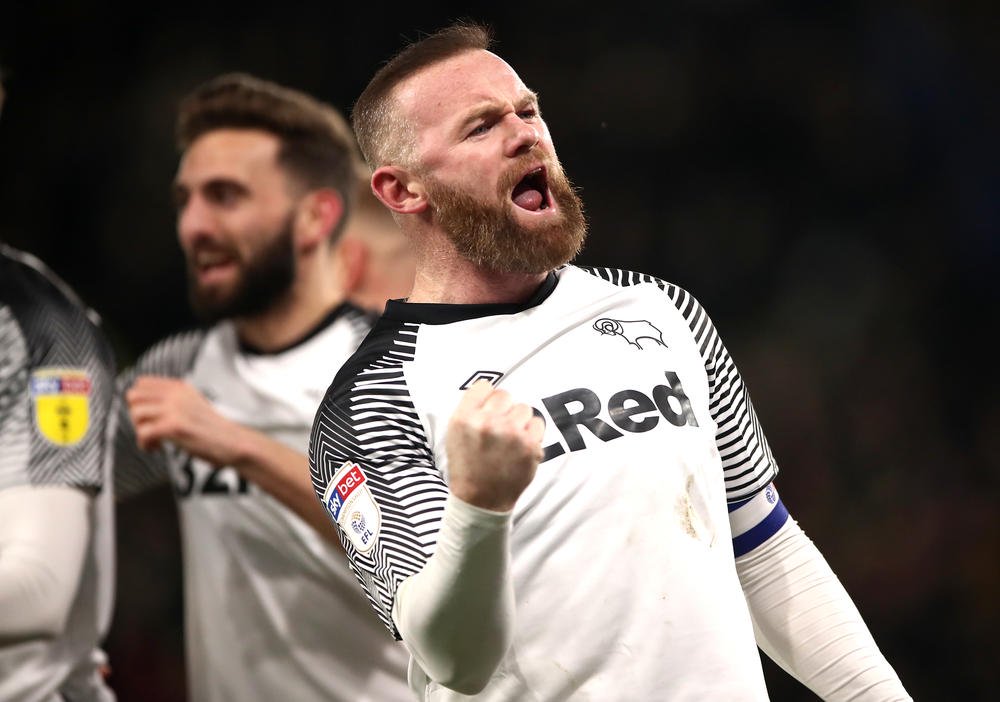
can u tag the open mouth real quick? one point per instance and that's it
(532, 192)
(211, 259)
(208, 264)
(204, 259)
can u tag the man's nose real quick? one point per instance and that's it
(522, 137)
(194, 220)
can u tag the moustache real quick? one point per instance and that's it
(522, 165)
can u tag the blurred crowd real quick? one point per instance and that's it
(822, 178)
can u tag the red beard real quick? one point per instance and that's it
(488, 235)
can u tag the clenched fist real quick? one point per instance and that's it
(494, 446)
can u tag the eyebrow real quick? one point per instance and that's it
(490, 107)
(179, 190)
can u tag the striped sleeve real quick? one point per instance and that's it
(136, 470)
(371, 463)
(747, 463)
(56, 380)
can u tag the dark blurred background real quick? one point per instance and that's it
(823, 176)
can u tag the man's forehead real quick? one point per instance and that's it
(231, 150)
(459, 82)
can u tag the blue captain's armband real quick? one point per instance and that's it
(755, 520)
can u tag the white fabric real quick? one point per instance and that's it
(621, 555)
(806, 622)
(44, 534)
(457, 614)
(53, 606)
(272, 611)
(56, 517)
(754, 511)
(620, 549)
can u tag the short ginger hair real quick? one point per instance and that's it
(381, 134)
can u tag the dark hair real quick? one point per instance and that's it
(317, 146)
(380, 135)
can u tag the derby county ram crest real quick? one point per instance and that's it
(632, 331)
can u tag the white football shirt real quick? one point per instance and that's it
(272, 610)
(622, 560)
(56, 418)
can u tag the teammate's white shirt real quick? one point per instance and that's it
(622, 560)
(56, 399)
(272, 611)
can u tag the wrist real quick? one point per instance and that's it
(242, 447)
(481, 499)
(472, 513)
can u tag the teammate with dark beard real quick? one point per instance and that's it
(264, 189)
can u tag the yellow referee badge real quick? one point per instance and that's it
(62, 404)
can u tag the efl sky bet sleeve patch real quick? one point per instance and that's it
(353, 507)
(61, 398)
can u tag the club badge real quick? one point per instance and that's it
(632, 330)
(61, 398)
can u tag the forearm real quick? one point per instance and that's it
(44, 532)
(283, 473)
(456, 615)
(164, 409)
(806, 622)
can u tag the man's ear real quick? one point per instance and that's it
(319, 216)
(398, 190)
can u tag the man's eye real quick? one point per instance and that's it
(481, 129)
(223, 193)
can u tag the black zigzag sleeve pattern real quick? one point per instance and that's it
(137, 470)
(747, 462)
(368, 418)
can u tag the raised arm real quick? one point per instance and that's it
(457, 614)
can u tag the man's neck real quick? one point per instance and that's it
(474, 286)
(443, 276)
(287, 321)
